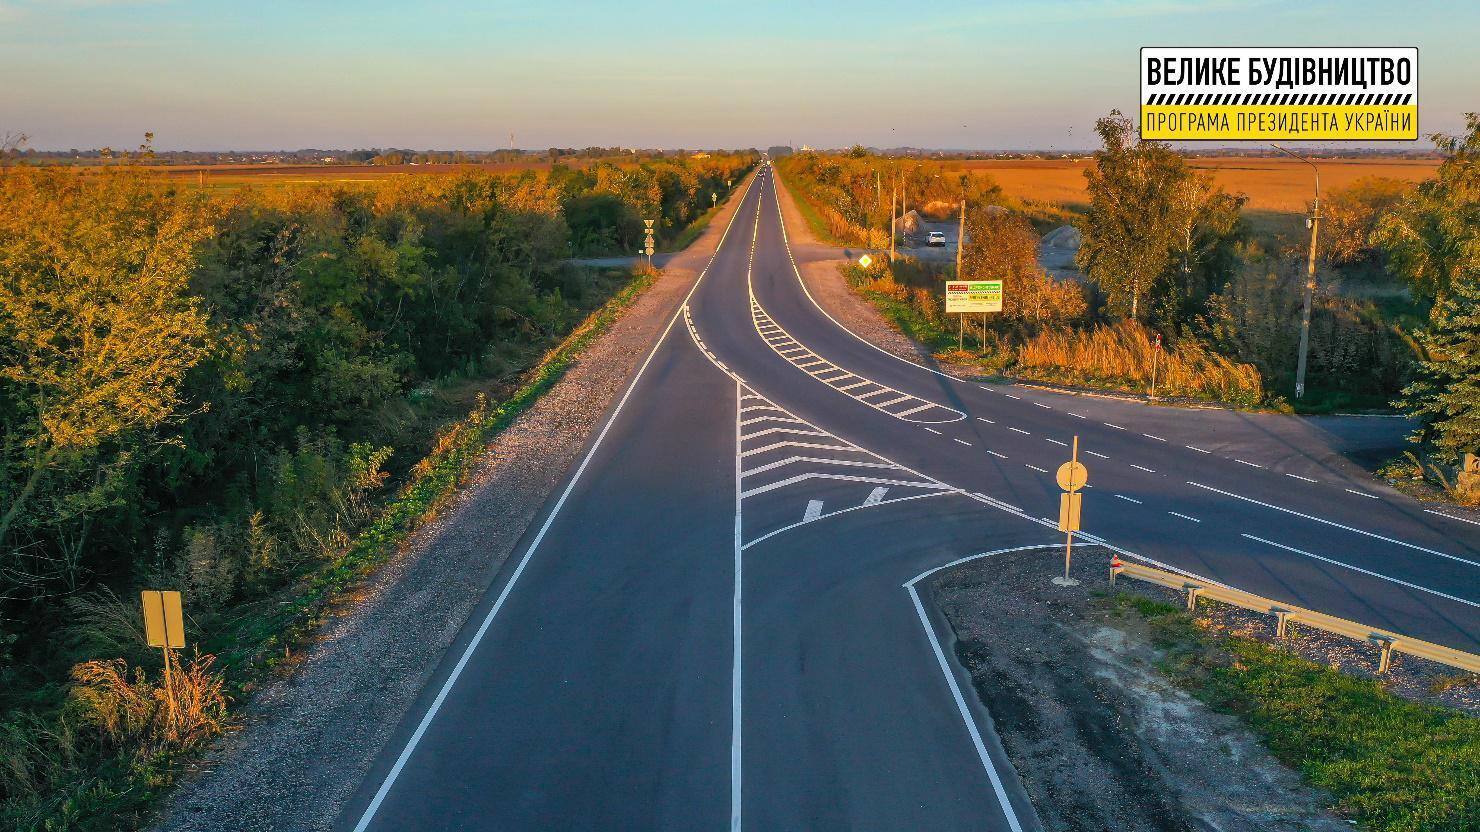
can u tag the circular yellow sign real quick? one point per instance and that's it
(1072, 476)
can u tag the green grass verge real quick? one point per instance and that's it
(1392, 764)
(691, 232)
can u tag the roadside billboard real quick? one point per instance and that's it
(973, 296)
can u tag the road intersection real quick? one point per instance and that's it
(716, 622)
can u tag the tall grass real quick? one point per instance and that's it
(1121, 355)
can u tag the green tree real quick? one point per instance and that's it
(1155, 229)
(1433, 240)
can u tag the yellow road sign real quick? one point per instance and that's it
(164, 623)
(1069, 505)
(1072, 476)
(865, 261)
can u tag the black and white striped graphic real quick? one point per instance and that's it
(1268, 99)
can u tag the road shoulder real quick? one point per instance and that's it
(308, 739)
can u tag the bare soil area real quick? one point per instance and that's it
(1100, 739)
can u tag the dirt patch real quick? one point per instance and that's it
(1100, 739)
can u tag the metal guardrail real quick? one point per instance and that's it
(1386, 641)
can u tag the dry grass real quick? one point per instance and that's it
(1121, 356)
(1278, 188)
(144, 716)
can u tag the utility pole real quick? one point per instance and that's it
(893, 193)
(960, 246)
(1310, 276)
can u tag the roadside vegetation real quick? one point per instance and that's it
(1392, 765)
(253, 397)
(1167, 254)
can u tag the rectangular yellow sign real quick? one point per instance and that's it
(1070, 503)
(164, 621)
(1279, 94)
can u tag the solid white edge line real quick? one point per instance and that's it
(1452, 517)
(1361, 570)
(735, 663)
(390, 779)
(945, 668)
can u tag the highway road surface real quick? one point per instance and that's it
(715, 624)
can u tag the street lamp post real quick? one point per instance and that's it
(1310, 275)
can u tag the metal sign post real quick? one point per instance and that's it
(647, 243)
(1072, 477)
(164, 627)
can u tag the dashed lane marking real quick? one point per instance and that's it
(1195, 448)
(934, 431)
(1056, 442)
(1184, 516)
(1042, 405)
(1020, 430)
(1298, 477)
(1142, 468)
(1040, 470)
(1363, 494)
(999, 456)
(962, 441)
(1108, 425)
(1150, 436)
(1250, 464)
(1096, 453)
(1129, 499)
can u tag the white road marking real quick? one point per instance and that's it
(1108, 425)
(999, 456)
(1363, 571)
(1129, 499)
(916, 409)
(1250, 464)
(1363, 494)
(1020, 430)
(1333, 523)
(1452, 517)
(498, 604)
(1042, 405)
(893, 402)
(1195, 448)
(819, 475)
(1096, 453)
(1298, 477)
(1056, 442)
(858, 384)
(962, 441)
(945, 669)
(1039, 470)
(1184, 516)
(814, 445)
(942, 492)
(1142, 468)
(876, 496)
(1011, 396)
(934, 431)
(768, 431)
(1157, 438)
(1077, 416)
(988, 421)
(761, 469)
(814, 511)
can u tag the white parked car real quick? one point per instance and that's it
(936, 238)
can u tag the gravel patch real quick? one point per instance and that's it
(1100, 739)
(308, 738)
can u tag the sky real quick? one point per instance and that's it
(990, 75)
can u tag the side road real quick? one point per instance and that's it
(309, 738)
(1353, 445)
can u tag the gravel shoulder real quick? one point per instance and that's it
(1100, 739)
(308, 738)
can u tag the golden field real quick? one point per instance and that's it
(1278, 189)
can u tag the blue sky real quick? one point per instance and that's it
(985, 74)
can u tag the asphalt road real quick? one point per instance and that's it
(714, 624)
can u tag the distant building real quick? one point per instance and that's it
(779, 150)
